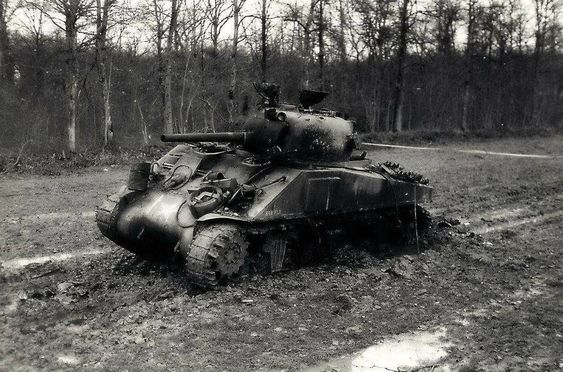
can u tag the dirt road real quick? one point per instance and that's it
(490, 286)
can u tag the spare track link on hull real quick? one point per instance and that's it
(217, 251)
(107, 215)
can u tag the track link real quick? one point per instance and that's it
(218, 251)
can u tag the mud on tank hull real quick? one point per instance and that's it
(226, 214)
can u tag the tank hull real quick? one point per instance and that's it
(160, 216)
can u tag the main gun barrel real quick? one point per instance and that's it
(238, 137)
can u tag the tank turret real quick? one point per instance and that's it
(300, 134)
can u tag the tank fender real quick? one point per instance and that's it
(163, 217)
(217, 217)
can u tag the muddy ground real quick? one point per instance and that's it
(493, 284)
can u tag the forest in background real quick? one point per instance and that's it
(80, 75)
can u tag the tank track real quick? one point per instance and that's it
(220, 251)
(401, 174)
(107, 215)
(217, 252)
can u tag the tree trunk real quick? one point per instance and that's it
(168, 115)
(465, 103)
(321, 44)
(72, 84)
(468, 64)
(181, 122)
(264, 38)
(38, 45)
(232, 88)
(307, 43)
(71, 74)
(398, 111)
(106, 92)
(6, 70)
(398, 96)
(215, 38)
(3, 44)
(342, 35)
(538, 49)
(161, 58)
(102, 13)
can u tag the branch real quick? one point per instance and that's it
(213, 109)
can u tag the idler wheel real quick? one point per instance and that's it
(205, 200)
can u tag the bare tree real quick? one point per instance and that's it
(546, 16)
(375, 30)
(305, 20)
(192, 33)
(398, 95)
(515, 26)
(237, 6)
(446, 14)
(33, 22)
(471, 29)
(343, 6)
(169, 126)
(321, 29)
(67, 15)
(103, 8)
(158, 15)
(264, 17)
(6, 64)
(218, 13)
(375, 37)
(3, 43)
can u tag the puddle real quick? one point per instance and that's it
(19, 263)
(406, 351)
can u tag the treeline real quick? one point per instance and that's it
(84, 74)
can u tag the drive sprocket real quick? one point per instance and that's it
(217, 251)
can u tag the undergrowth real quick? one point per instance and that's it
(444, 137)
(56, 163)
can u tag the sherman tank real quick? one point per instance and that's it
(276, 193)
